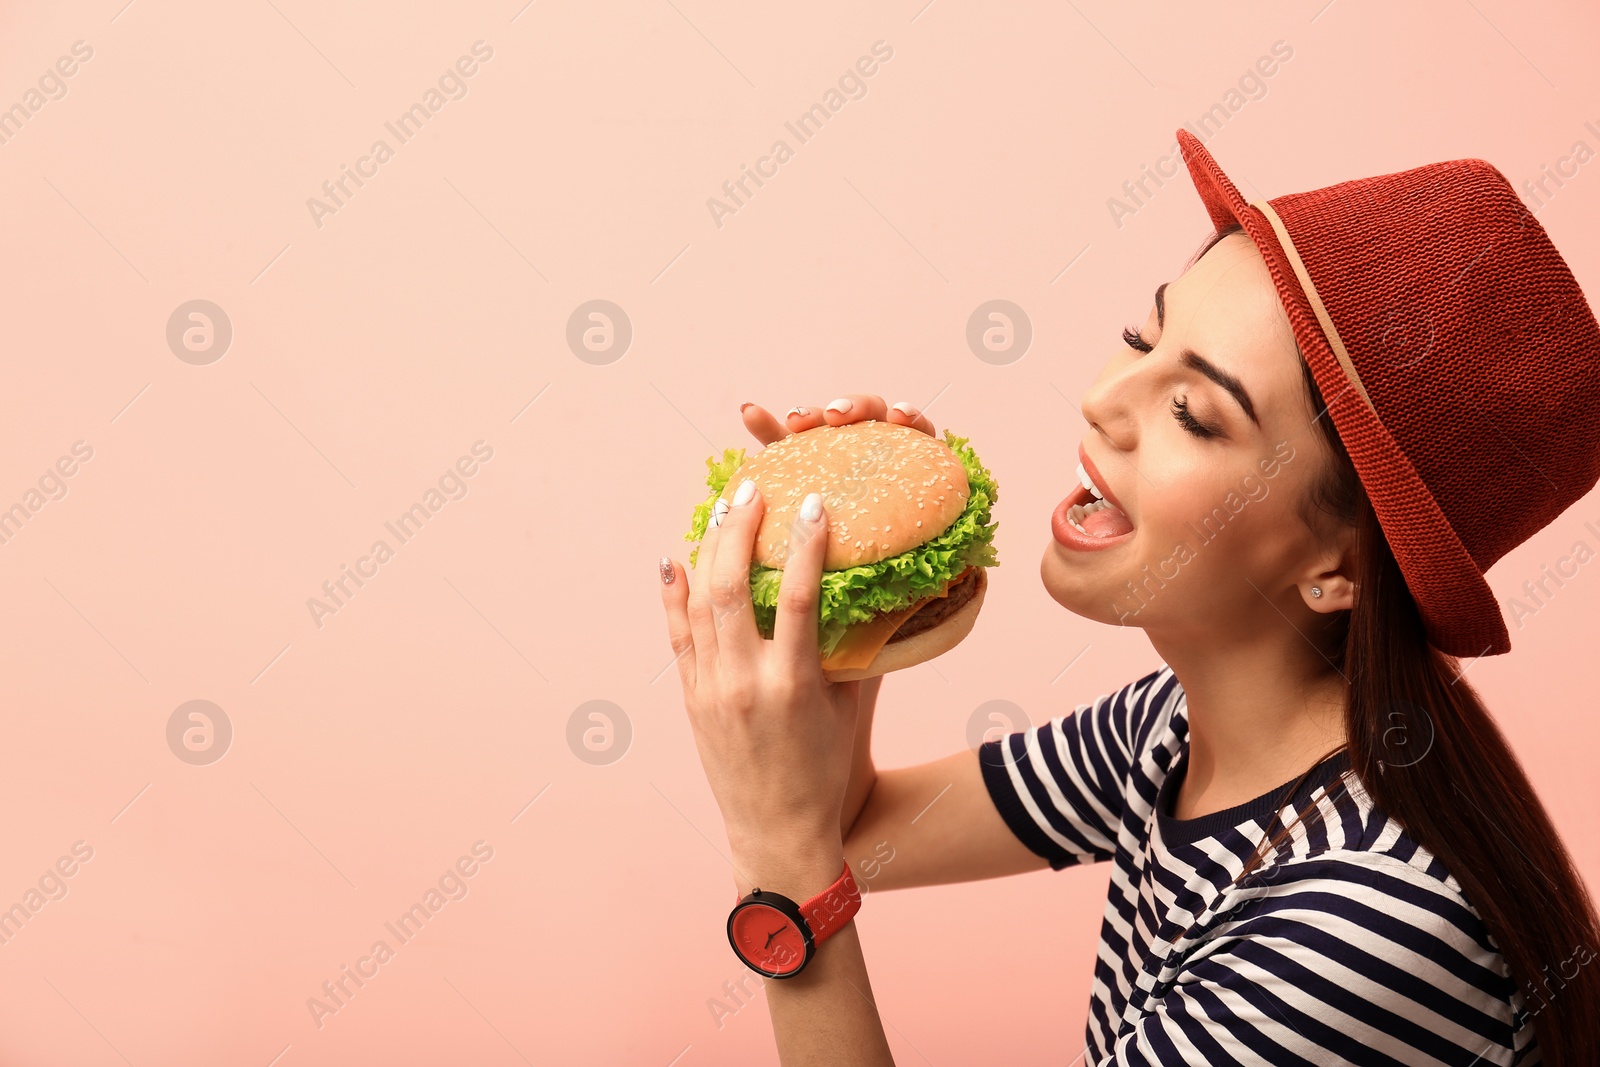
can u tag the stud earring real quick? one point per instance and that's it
(1316, 590)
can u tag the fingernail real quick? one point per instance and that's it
(719, 509)
(669, 573)
(746, 490)
(842, 405)
(906, 409)
(811, 507)
(801, 411)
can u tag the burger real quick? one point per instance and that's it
(909, 538)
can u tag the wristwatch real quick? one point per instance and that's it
(776, 938)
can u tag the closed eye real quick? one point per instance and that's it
(1180, 406)
(1180, 411)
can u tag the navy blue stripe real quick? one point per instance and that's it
(1280, 1011)
(1382, 924)
(1105, 778)
(1247, 1034)
(1069, 824)
(1403, 849)
(1355, 830)
(1102, 809)
(1167, 1051)
(1441, 901)
(1395, 979)
(991, 762)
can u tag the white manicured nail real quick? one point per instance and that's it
(811, 507)
(719, 509)
(842, 405)
(906, 409)
(799, 410)
(746, 490)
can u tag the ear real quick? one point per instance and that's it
(1332, 575)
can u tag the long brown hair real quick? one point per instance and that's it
(1428, 753)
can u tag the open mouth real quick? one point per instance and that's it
(1089, 512)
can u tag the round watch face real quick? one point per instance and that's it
(767, 940)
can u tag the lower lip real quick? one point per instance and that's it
(1069, 536)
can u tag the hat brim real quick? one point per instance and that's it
(1457, 606)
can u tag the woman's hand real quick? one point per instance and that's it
(858, 406)
(774, 736)
(767, 429)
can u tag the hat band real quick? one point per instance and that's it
(1317, 307)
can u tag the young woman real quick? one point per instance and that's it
(1349, 404)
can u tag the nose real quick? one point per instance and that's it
(1111, 405)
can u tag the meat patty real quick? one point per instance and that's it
(939, 608)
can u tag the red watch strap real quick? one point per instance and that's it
(832, 908)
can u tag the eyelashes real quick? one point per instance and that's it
(1180, 405)
(1180, 411)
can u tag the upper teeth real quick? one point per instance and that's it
(1088, 483)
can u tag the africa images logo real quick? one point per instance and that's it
(451, 85)
(852, 85)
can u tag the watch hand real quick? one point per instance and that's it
(772, 935)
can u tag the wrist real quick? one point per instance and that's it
(788, 906)
(796, 869)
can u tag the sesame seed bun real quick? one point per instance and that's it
(887, 489)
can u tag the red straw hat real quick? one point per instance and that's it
(1458, 357)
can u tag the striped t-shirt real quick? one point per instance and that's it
(1348, 944)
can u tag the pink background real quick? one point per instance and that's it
(430, 312)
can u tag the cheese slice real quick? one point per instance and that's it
(862, 642)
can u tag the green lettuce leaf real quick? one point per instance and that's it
(856, 594)
(721, 471)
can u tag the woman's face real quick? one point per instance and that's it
(1217, 548)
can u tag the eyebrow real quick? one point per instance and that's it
(1193, 360)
